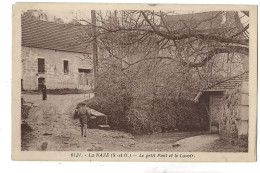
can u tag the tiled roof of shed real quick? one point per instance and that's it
(229, 83)
(55, 36)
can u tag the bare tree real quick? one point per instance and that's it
(192, 39)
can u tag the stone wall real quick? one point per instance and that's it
(243, 114)
(235, 113)
(54, 68)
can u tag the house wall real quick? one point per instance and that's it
(243, 114)
(228, 118)
(54, 69)
(235, 113)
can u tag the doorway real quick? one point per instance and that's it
(84, 78)
(40, 80)
(215, 112)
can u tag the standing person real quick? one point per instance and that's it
(44, 91)
(83, 115)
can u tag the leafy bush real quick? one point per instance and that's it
(114, 111)
(182, 115)
(135, 102)
(168, 114)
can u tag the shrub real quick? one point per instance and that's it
(167, 115)
(114, 110)
(183, 115)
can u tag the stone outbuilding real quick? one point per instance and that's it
(56, 53)
(227, 105)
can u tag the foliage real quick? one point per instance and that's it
(231, 98)
(168, 115)
(25, 111)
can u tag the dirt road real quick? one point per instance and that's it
(55, 129)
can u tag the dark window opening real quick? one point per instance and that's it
(66, 67)
(81, 70)
(41, 65)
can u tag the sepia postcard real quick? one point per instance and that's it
(134, 82)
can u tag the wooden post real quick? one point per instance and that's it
(95, 49)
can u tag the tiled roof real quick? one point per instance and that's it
(229, 83)
(55, 36)
(224, 85)
(213, 21)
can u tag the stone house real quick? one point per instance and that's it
(56, 53)
(228, 107)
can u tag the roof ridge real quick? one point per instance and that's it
(204, 12)
(53, 22)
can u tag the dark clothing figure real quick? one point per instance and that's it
(44, 92)
(83, 115)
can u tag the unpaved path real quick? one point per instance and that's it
(196, 143)
(55, 129)
(164, 141)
